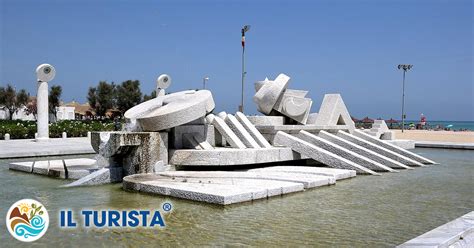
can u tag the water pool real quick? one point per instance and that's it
(366, 211)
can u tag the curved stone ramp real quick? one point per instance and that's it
(393, 148)
(221, 191)
(343, 152)
(378, 149)
(328, 158)
(338, 174)
(308, 180)
(362, 151)
(172, 110)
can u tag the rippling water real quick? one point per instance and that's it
(366, 211)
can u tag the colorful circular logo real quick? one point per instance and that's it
(27, 220)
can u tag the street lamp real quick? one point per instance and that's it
(244, 30)
(405, 69)
(204, 80)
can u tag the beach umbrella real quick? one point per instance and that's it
(354, 119)
(391, 121)
(367, 120)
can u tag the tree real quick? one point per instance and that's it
(12, 101)
(149, 97)
(54, 99)
(32, 108)
(128, 95)
(102, 97)
(92, 97)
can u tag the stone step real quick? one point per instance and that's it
(343, 152)
(362, 151)
(378, 149)
(252, 130)
(320, 155)
(241, 132)
(394, 148)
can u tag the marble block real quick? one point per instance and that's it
(333, 112)
(241, 132)
(269, 93)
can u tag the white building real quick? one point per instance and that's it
(19, 115)
(65, 113)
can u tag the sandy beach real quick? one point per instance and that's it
(425, 135)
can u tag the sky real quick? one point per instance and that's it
(347, 47)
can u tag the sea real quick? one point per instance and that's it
(456, 125)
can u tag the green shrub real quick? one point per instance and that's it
(74, 128)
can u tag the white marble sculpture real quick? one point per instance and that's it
(44, 74)
(274, 96)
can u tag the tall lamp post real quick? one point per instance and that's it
(244, 30)
(204, 80)
(405, 69)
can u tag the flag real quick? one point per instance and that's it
(243, 37)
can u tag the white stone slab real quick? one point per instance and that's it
(263, 120)
(21, 166)
(221, 191)
(241, 132)
(226, 132)
(319, 154)
(338, 174)
(362, 151)
(308, 180)
(405, 144)
(393, 148)
(343, 152)
(378, 149)
(252, 130)
(232, 156)
(75, 168)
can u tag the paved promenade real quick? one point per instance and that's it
(445, 145)
(23, 148)
(457, 233)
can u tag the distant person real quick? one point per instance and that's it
(422, 121)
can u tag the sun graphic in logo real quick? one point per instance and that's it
(27, 220)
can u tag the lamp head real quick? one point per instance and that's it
(245, 28)
(45, 72)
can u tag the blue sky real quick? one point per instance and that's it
(347, 47)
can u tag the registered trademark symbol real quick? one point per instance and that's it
(167, 206)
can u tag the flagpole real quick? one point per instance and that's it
(244, 30)
(241, 109)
